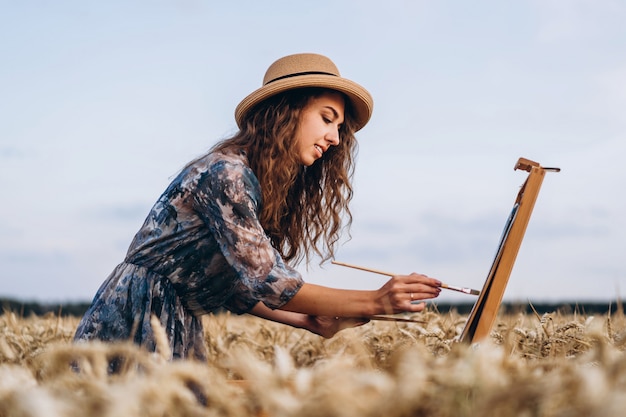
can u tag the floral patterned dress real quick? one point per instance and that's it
(201, 248)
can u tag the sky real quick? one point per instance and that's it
(102, 103)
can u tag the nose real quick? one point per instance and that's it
(332, 137)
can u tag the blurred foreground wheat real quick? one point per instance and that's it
(550, 365)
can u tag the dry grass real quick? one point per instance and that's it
(550, 365)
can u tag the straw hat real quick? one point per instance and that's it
(308, 70)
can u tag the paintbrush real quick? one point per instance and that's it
(391, 318)
(464, 290)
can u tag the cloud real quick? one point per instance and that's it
(564, 20)
(123, 212)
(11, 152)
(34, 256)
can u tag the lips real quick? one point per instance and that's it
(319, 149)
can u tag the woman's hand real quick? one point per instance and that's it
(396, 296)
(401, 293)
(327, 326)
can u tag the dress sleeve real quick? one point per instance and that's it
(228, 199)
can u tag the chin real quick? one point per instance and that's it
(307, 162)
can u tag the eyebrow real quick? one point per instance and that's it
(331, 108)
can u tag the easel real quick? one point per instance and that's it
(485, 310)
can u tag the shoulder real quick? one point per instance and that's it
(228, 164)
(217, 166)
(223, 173)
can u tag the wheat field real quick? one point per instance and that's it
(531, 365)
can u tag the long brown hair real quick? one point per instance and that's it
(304, 208)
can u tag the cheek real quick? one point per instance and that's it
(299, 141)
(299, 148)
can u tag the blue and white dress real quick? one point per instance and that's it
(201, 248)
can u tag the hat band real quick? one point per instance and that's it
(297, 74)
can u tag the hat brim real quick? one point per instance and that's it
(360, 98)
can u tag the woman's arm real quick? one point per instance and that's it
(396, 296)
(325, 326)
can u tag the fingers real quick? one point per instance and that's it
(405, 292)
(420, 287)
(346, 322)
(327, 326)
(422, 279)
(359, 321)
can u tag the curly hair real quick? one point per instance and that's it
(304, 209)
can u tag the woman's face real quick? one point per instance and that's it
(319, 125)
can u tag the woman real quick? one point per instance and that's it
(224, 231)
